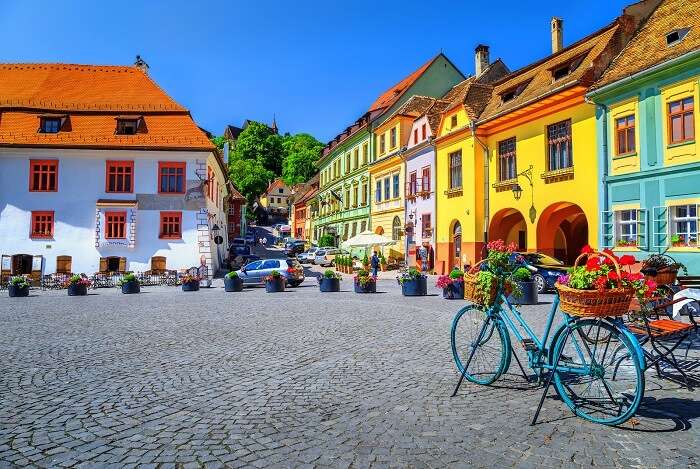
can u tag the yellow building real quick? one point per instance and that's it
(276, 198)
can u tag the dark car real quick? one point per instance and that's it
(545, 269)
(240, 256)
(292, 248)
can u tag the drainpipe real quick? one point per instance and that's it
(603, 163)
(472, 127)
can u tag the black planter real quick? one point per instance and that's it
(274, 285)
(17, 292)
(416, 287)
(529, 296)
(454, 291)
(130, 288)
(75, 289)
(191, 286)
(233, 284)
(327, 285)
(369, 287)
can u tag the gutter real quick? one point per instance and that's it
(472, 127)
(604, 165)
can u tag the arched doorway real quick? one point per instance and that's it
(509, 225)
(396, 229)
(456, 245)
(562, 231)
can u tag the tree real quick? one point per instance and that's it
(301, 152)
(249, 176)
(259, 142)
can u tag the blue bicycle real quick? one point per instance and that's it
(595, 364)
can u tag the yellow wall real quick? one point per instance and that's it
(685, 152)
(383, 213)
(624, 163)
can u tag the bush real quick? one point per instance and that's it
(19, 282)
(365, 260)
(232, 274)
(127, 279)
(522, 274)
(326, 241)
(456, 273)
(331, 275)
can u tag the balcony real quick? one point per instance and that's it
(417, 188)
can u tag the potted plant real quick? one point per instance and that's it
(18, 287)
(274, 283)
(677, 240)
(662, 269)
(129, 284)
(190, 282)
(337, 263)
(525, 290)
(382, 262)
(627, 243)
(364, 282)
(233, 282)
(365, 262)
(413, 283)
(77, 285)
(452, 285)
(329, 282)
(484, 280)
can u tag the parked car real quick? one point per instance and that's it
(294, 248)
(239, 256)
(326, 256)
(545, 269)
(308, 256)
(255, 272)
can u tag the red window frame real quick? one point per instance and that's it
(624, 134)
(45, 174)
(424, 131)
(415, 136)
(685, 112)
(425, 177)
(170, 225)
(119, 170)
(42, 225)
(412, 183)
(425, 225)
(165, 169)
(507, 159)
(115, 225)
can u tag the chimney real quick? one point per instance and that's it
(481, 59)
(141, 64)
(557, 34)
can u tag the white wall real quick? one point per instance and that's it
(422, 205)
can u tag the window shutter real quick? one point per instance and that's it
(103, 264)
(63, 264)
(660, 238)
(642, 238)
(158, 263)
(122, 264)
(607, 223)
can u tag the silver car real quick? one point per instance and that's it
(309, 256)
(326, 256)
(255, 272)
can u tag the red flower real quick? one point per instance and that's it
(600, 283)
(586, 249)
(592, 263)
(607, 260)
(612, 275)
(635, 277)
(627, 260)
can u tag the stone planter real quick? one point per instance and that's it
(454, 291)
(369, 287)
(130, 288)
(75, 289)
(417, 287)
(529, 296)
(191, 286)
(328, 285)
(17, 292)
(233, 284)
(275, 285)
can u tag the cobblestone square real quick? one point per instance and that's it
(296, 379)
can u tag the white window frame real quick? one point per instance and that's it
(632, 223)
(675, 220)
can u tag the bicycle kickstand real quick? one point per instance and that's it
(517, 360)
(546, 387)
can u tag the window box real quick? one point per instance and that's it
(558, 174)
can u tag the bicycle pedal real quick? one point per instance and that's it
(529, 345)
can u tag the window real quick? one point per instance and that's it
(42, 225)
(270, 264)
(363, 226)
(567, 68)
(120, 176)
(392, 138)
(425, 225)
(559, 145)
(455, 169)
(43, 175)
(681, 121)
(378, 192)
(170, 225)
(506, 160)
(387, 188)
(412, 183)
(347, 199)
(624, 133)
(50, 125)
(115, 225)
(354, 228)
(453, 121)
(674, 37)
(382, 144)
(627, 225)
(396, 229)
(685, 225)
(356, 158)
(424, 131)
(365, 149)
(127, 126)
(347, 163)
(364, 194)
(172, 177)
(279, 200)
(281, 191)
(513, 92)
(426, 179)
(395, 182)
(415, 136)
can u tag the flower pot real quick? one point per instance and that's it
(232, 284)
(75, 289)
(190, 286)
(327, 285)
(665, 276)
(275, 285)
(415, 287)
(130, 288)
(369, 287)
(529, 296)
(454, 291)
(17, 292)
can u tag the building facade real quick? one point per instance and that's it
(276, 199)
(97, 182)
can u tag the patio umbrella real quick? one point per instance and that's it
(366, 239)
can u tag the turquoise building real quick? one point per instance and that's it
(647, 114)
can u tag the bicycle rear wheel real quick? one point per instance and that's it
(599, 379)
(483, 337)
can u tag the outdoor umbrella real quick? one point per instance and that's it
(365, 240)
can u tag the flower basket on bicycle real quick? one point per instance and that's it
(600, 288)
(472, 292)
(484, 280)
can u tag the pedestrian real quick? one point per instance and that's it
(374, 262)
(423, 258)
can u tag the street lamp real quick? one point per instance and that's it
(518, 191)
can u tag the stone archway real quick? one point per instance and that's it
(562, 231)
(509, 225)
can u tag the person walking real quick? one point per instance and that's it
(374, 262)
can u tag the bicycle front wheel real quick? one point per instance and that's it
(481, 343)
(599, 374)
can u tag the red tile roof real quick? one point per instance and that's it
(390, 96)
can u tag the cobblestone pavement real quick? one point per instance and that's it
(295, 379)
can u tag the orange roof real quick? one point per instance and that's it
(92, 97)
(390, 96)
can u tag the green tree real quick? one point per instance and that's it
(258, 142)
(301, 152)
(249, 176)
(219, 141)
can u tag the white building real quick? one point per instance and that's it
(100, 170)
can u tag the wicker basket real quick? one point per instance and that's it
(472, 292)
(663, 277)
(593, 303)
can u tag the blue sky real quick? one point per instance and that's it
(316, 65)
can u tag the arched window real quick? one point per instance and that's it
(457, 243)
(396, 229)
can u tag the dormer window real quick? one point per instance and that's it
(567, 68)
(674, 37)
(51, 123)
(128, 125)
(453, 121)
(513, 92)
